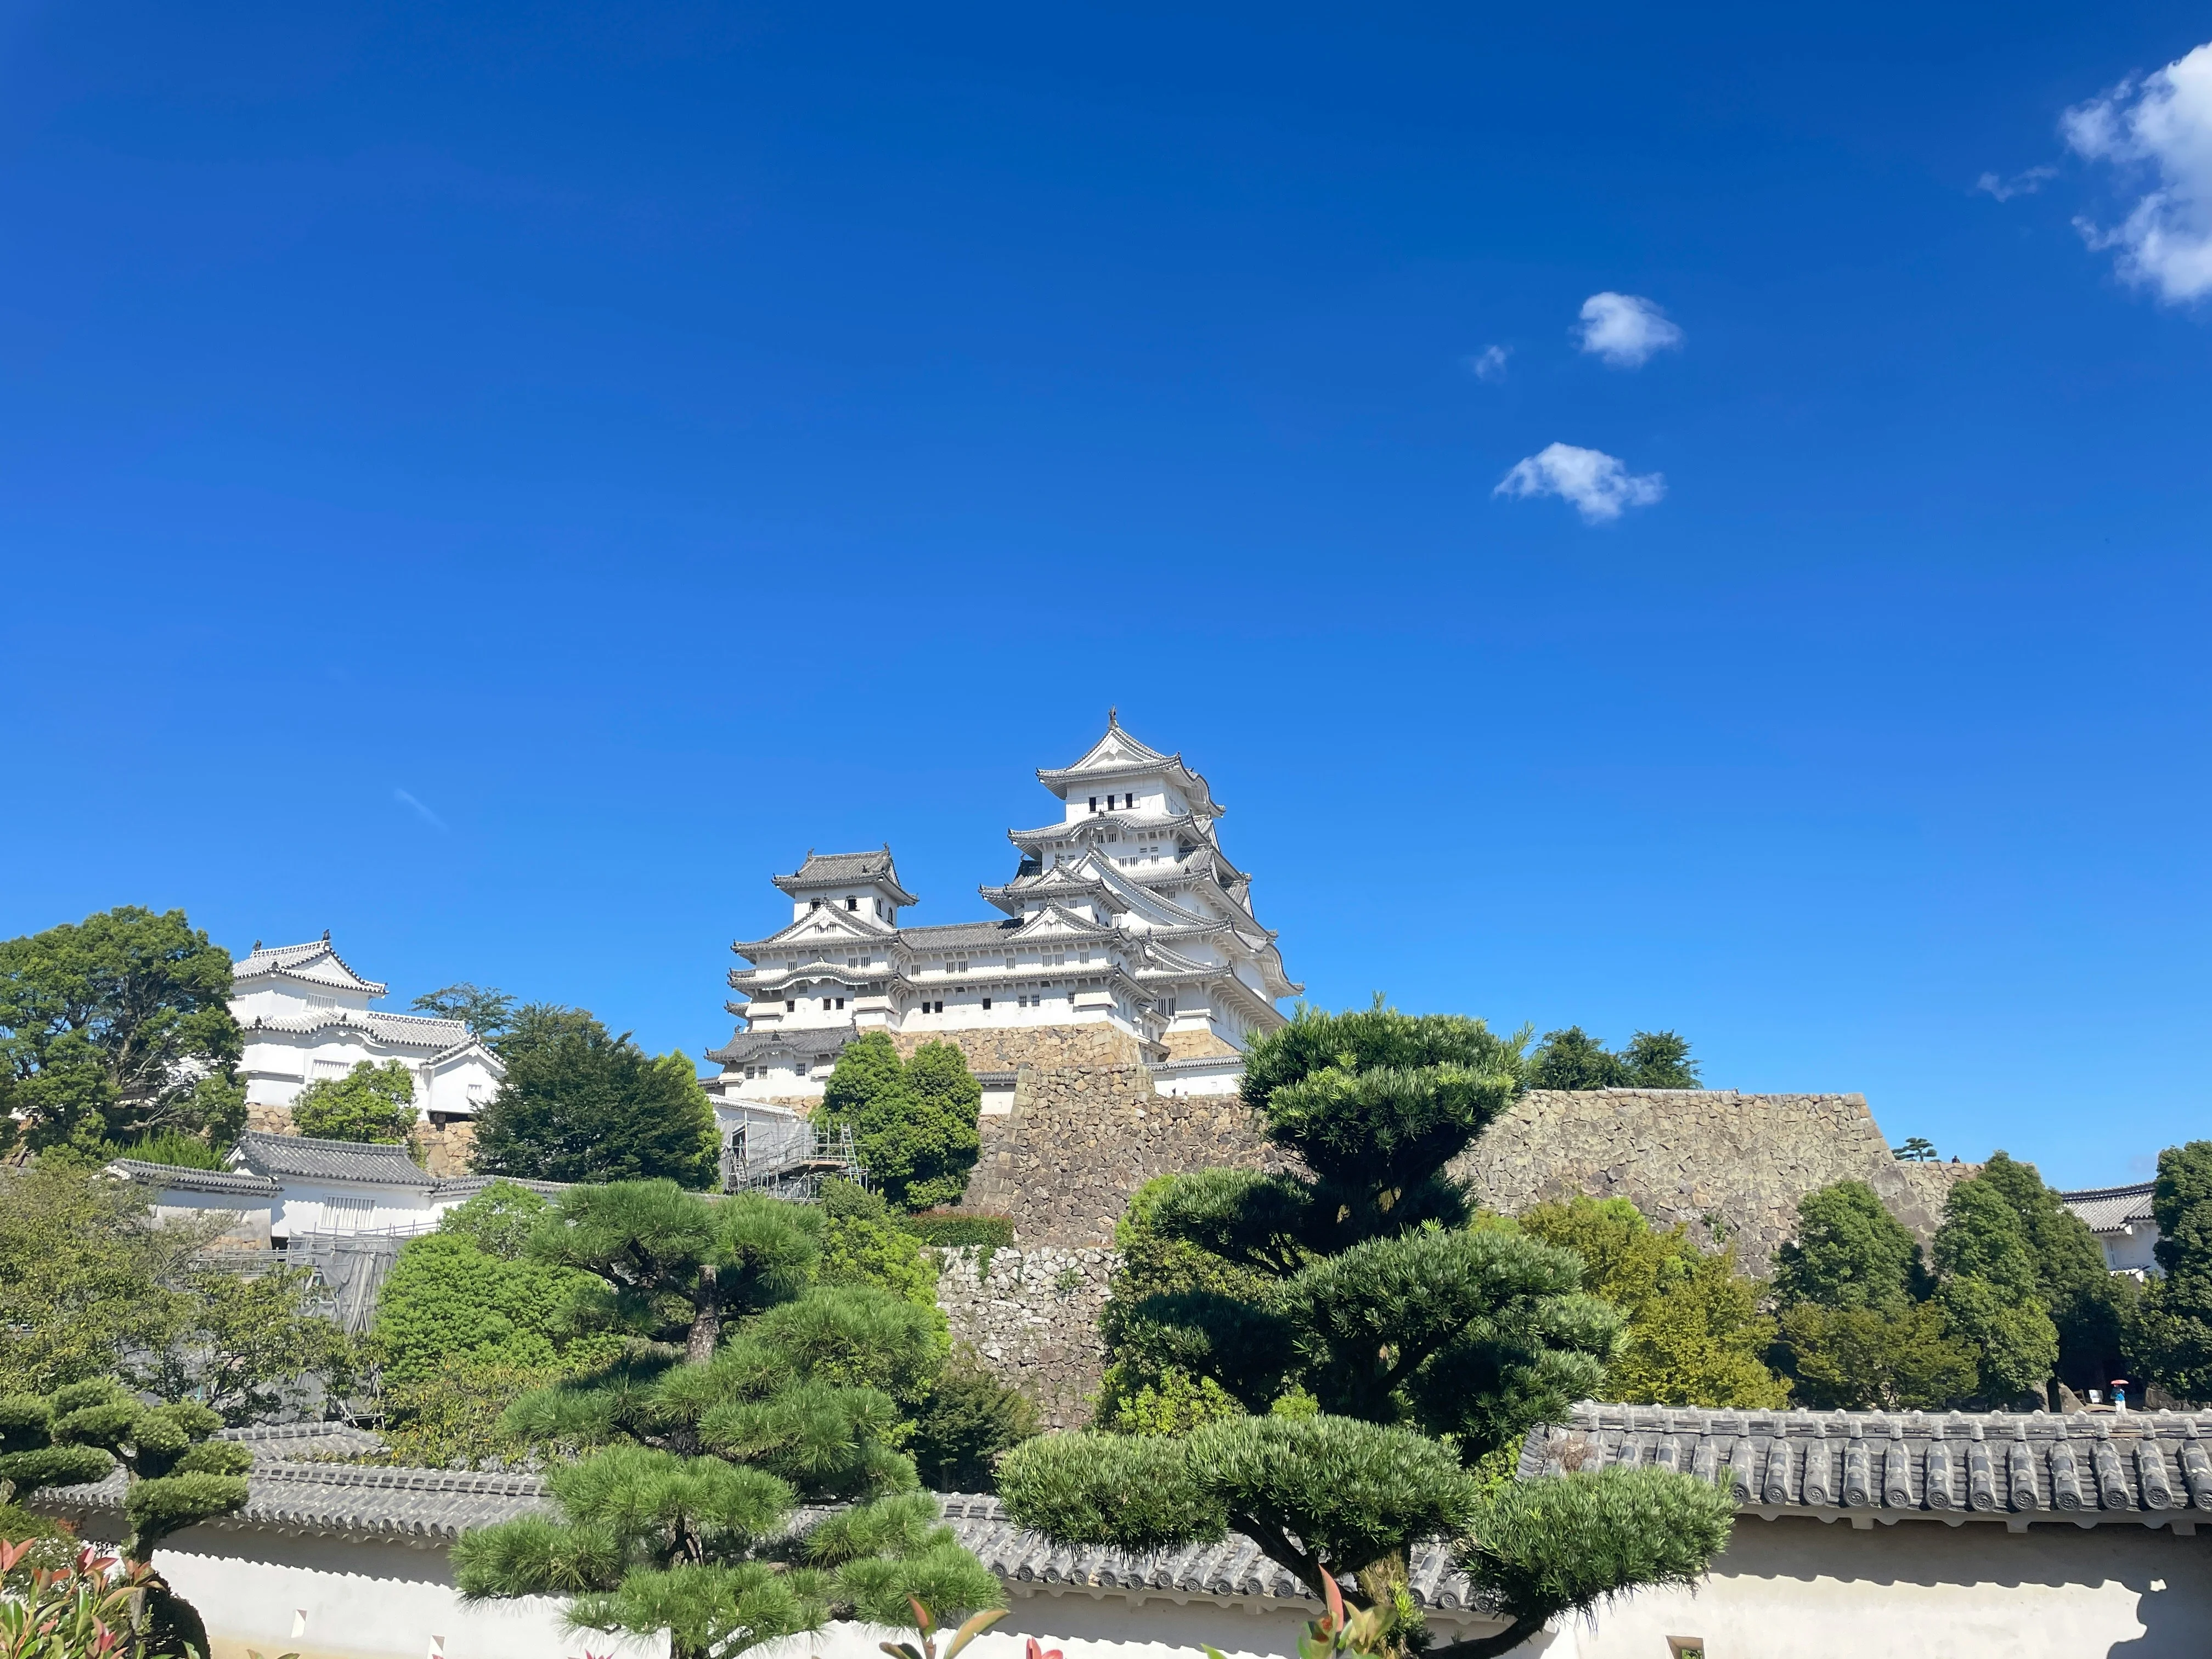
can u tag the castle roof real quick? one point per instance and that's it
(2108, 1209)
(315, 962)
(305, 1158)
(823, 870)
(1117, 755)
(425, 1031)
(2086, 1467)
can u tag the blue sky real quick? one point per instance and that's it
(498, 483)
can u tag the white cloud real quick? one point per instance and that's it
(1625, 330)
(2020, 184)
(2164, 123)
(1489, 364)
(1598, 486)
(421, 811)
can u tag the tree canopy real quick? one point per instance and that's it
(1695, 1334)
(913, 1125)
(1380, 1346)
(488, 1014)
(581, 1105)
(115, 1028)
(370, 1103)
(745, 1387)
(1573, 1059)
(2172, 1329)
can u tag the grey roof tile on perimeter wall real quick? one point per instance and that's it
(2147, 1467)
(177, 1178)
(305, 1158)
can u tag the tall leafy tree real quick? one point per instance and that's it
(915, 1125)
(747, 1389)
(1695, 1334)
(370, 1103)
(243, 1347)
(1848, 1252)
(118, 1027)
(1415, 1344)
(2171, 1334)
(1990, 1291)
(488, 1014)
(2088, 1304)
(580, 1104)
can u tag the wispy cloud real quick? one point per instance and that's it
(1489, 364)
(1625, 329)
(419, 810)
(2160, 127)
(2020, 184)
(1597, 484)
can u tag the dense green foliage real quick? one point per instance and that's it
(1695, 1334)
(913, 1125)
(488, 1014)
(178, 1477)
(865, 1243)
(1382, 1346)
(176, 1148)
(468, 1297)
(678, 1519)
(951, 1230)
(242, 1344)
(965, 1422)
(115, 1028)
(369, 1103)
(580, 1104)
(1572, 1059)
(2018, 1293)
(2172, 1332)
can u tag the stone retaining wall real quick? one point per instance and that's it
(1690, 1155)
(1033, 1319)
(1048, 1048)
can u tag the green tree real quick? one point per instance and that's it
(581, 1105)
(1573, 1059)
(862, 1243)
(369, 1103)
(109, 1026)
(1990, 1291)
(1695, 1332)
(177, 1476)
(1420, 1345)
(469, 1293)
(1916, 1149)
(84, 1273)
(783, 1390)
(915, 1125)
(1857, 1329)
(968, 1420)
(1848, 1252)
(2088, 1304)
(488, 1014)
(244, 1344)
(2171, 1334)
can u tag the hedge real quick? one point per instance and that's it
(951, 1230)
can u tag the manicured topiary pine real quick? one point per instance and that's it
(178, 1476)
(1426, 1343)
(747, 1389)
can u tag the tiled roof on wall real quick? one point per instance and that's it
(2145, 1466)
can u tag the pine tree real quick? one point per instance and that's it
(580, 1104)
(746, 1389)
(1409, 1344)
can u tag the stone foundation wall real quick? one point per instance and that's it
(1078, 1141)
(1689, 1155)
(1033, 1319)
(1048, 1048)
(441, 1151)
(1197, 1045)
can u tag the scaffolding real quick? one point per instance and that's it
(790, 1166)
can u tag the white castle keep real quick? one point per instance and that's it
(1124, 914)
(306, 1017)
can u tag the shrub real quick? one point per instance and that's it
(952, 1229)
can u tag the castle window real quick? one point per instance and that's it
(825, 1004)
(1128, 801)
(986, 1002)
(814, 904)
(790, 1006)
(852, 903)
(1094, 803)
(841, 1002)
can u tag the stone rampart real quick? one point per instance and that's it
(1063, 1161)
(1694, 1155)
(1032, 1315)
(1048, 1048)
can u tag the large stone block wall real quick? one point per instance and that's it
(1048, 1048)
(1032, 1315)
(1694, 1155)
(1078, 1141)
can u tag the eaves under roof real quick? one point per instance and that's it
(821, 870)
(316, 962)
(1118, 754)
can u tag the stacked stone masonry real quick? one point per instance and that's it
(1031, 1315)
(1697, 1156)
